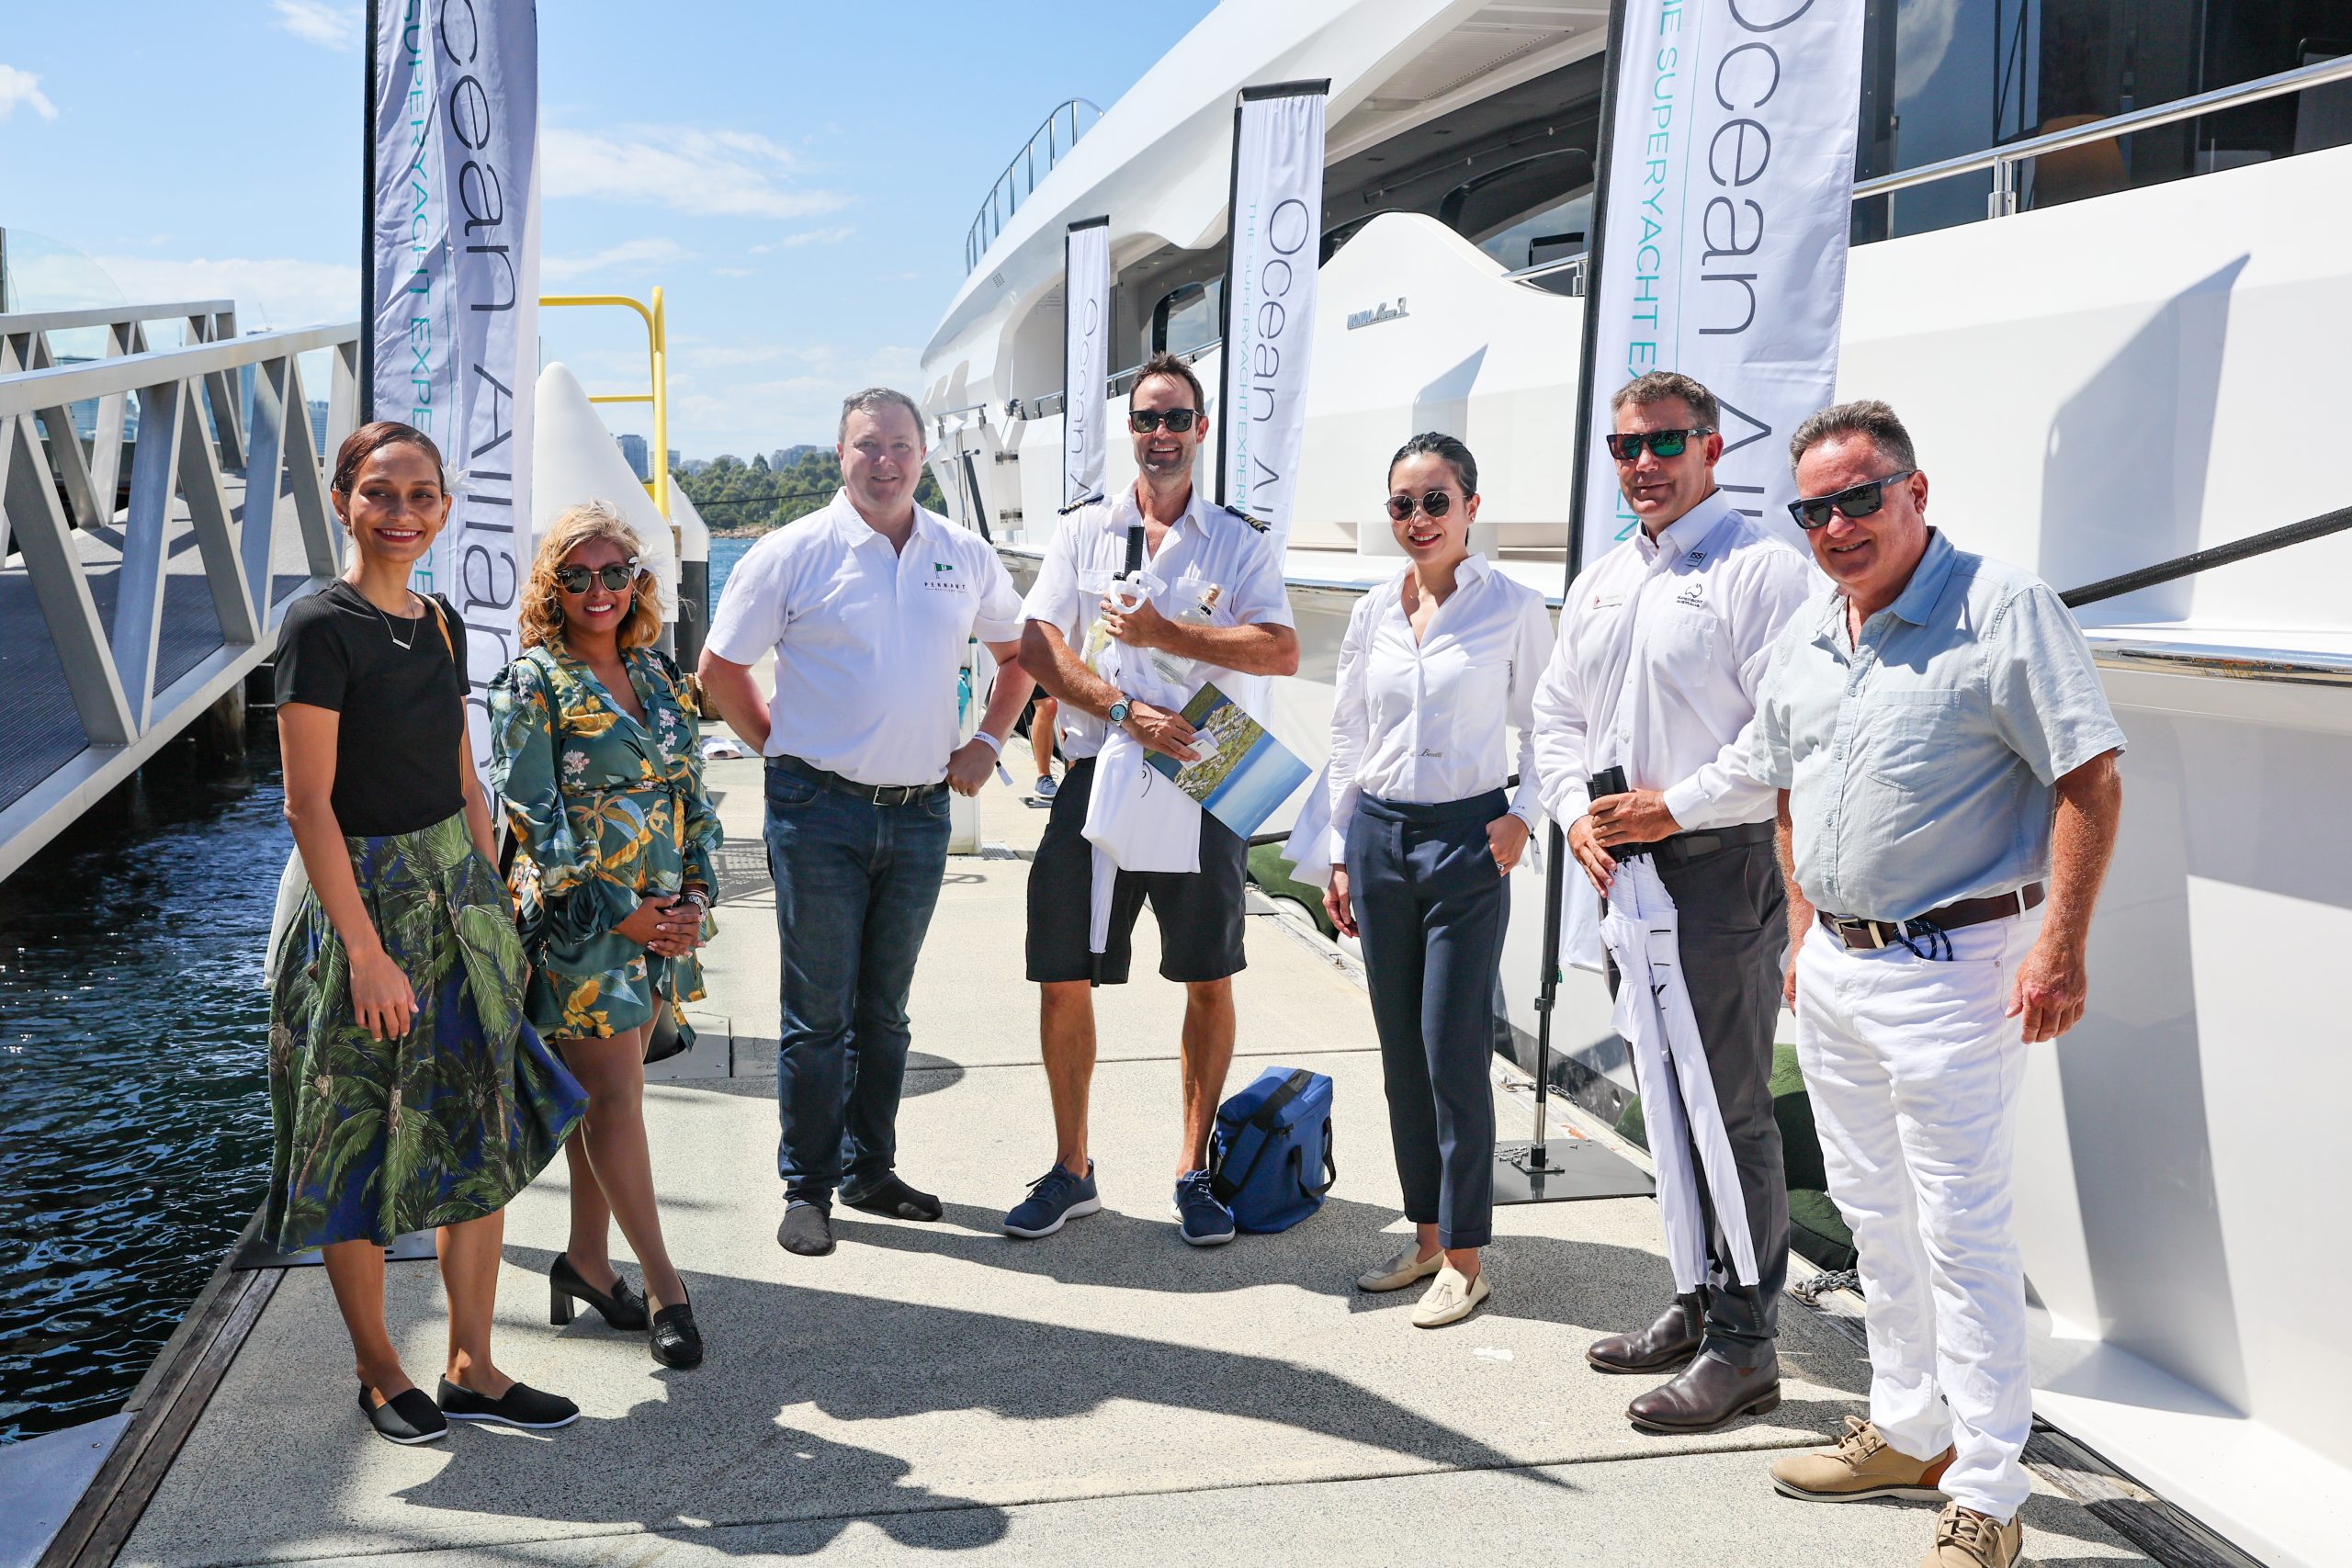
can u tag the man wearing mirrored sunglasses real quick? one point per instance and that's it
(1219, 614)
(1944, 761)
(1662, 643)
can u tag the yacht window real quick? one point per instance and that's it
(1186, 318)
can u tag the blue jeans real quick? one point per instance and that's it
(855, 884)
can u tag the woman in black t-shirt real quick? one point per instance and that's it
(407, 1089)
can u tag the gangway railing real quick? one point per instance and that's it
(112, 640)
(1057, 134)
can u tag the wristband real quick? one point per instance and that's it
(994, 744)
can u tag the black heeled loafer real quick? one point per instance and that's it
(622, 1309)
(676, 1341)
(408, 1418)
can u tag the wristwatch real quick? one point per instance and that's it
(1119, 710)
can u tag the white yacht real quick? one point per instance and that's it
(2115, 349)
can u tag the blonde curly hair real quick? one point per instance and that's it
(538, 617)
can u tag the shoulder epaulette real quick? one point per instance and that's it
(1255, 522)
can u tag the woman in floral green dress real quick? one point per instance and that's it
(598, 761)
(407, 1090)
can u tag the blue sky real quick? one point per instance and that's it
(798, 177)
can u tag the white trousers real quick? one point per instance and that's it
(1914, 1073)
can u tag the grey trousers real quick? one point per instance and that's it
(1732, 921)
(1430, 909)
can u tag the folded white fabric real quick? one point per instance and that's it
(1137, 820)
(1312, 848)
(1678, 1105)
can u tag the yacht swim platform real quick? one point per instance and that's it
(1106, 1394)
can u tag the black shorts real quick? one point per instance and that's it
(1199, 912)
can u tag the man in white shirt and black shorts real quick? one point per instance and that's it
(870, 607)
(1663, 642)
(1221, 615)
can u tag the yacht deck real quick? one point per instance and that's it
(1106, 1395)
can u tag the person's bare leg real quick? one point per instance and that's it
(470, 1259)
(1041, 736)
(1065, 1035)
(590, 1246)
(356, 1273)
(1208, 1053)
(612, 1072)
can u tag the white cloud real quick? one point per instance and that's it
(832, 236)
(630, 254)
(273, 292)
(22, 87)
(709, 174)
(321, 22)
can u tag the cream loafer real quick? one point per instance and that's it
(1402, 1269)
(1451, 1299)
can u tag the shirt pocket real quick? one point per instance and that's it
(1906, 736)
(1681, 646)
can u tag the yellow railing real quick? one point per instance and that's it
(657, 351)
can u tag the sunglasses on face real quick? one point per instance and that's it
(1665, 443)
(1143, 422)
(576, 579)
(1433, 505)
(1860, 501)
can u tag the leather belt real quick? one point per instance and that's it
(1856, 932)
(1688, 846)
(873, 794)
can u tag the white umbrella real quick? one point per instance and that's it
(1671, 1067)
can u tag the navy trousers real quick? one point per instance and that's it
(1429, 908)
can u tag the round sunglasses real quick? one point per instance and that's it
(1143, 422)
(1665, 443)
(1433, 505)
(1857, 502)
(575, 578)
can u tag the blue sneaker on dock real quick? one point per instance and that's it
(1205, 1222)
(1053, 1199)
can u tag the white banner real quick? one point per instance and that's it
(1086, 356)
(1731, 170)
(454, 228)
(1274, 246)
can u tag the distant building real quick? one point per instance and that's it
(784, 456)
(694, 465)
(673, 459)
(633, 452)
(318, 412)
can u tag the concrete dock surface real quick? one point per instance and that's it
(1106, 1395)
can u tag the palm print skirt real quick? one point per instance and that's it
(378, 1137)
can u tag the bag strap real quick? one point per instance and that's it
(1263, 1119)
(1291, 1088)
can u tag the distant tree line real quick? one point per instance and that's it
(735, 496)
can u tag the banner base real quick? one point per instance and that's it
(1571, 1170)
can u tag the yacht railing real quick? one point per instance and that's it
(1056, 136)
(1119, 382)
(2004, 161)
(1576, 266)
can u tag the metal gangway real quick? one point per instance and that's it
(149, 549)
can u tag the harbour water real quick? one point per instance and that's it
(132, 1072)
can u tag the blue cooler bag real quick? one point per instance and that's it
(1269, 1156)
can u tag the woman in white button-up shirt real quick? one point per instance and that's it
(1437, 663)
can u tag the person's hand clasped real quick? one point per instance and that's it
(1143, 626)
(1506, 840)
(1336, 904)
(1170, 734)
(968, 766)
(1637, 816)
(664, 925)
(2052, 990)
(1599, 869)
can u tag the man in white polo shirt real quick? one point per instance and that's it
(869, 606)
(1221, 615)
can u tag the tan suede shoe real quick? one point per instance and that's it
(1966, 1539)
(1860, 1467)
(1451, 1299)
(1395, 1273)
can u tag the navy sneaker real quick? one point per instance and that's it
(1053, 1199)
(1206, 1222)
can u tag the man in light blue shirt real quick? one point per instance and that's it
(1949, 799)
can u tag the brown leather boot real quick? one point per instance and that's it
(1708, 1394)
(1671, 1341)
